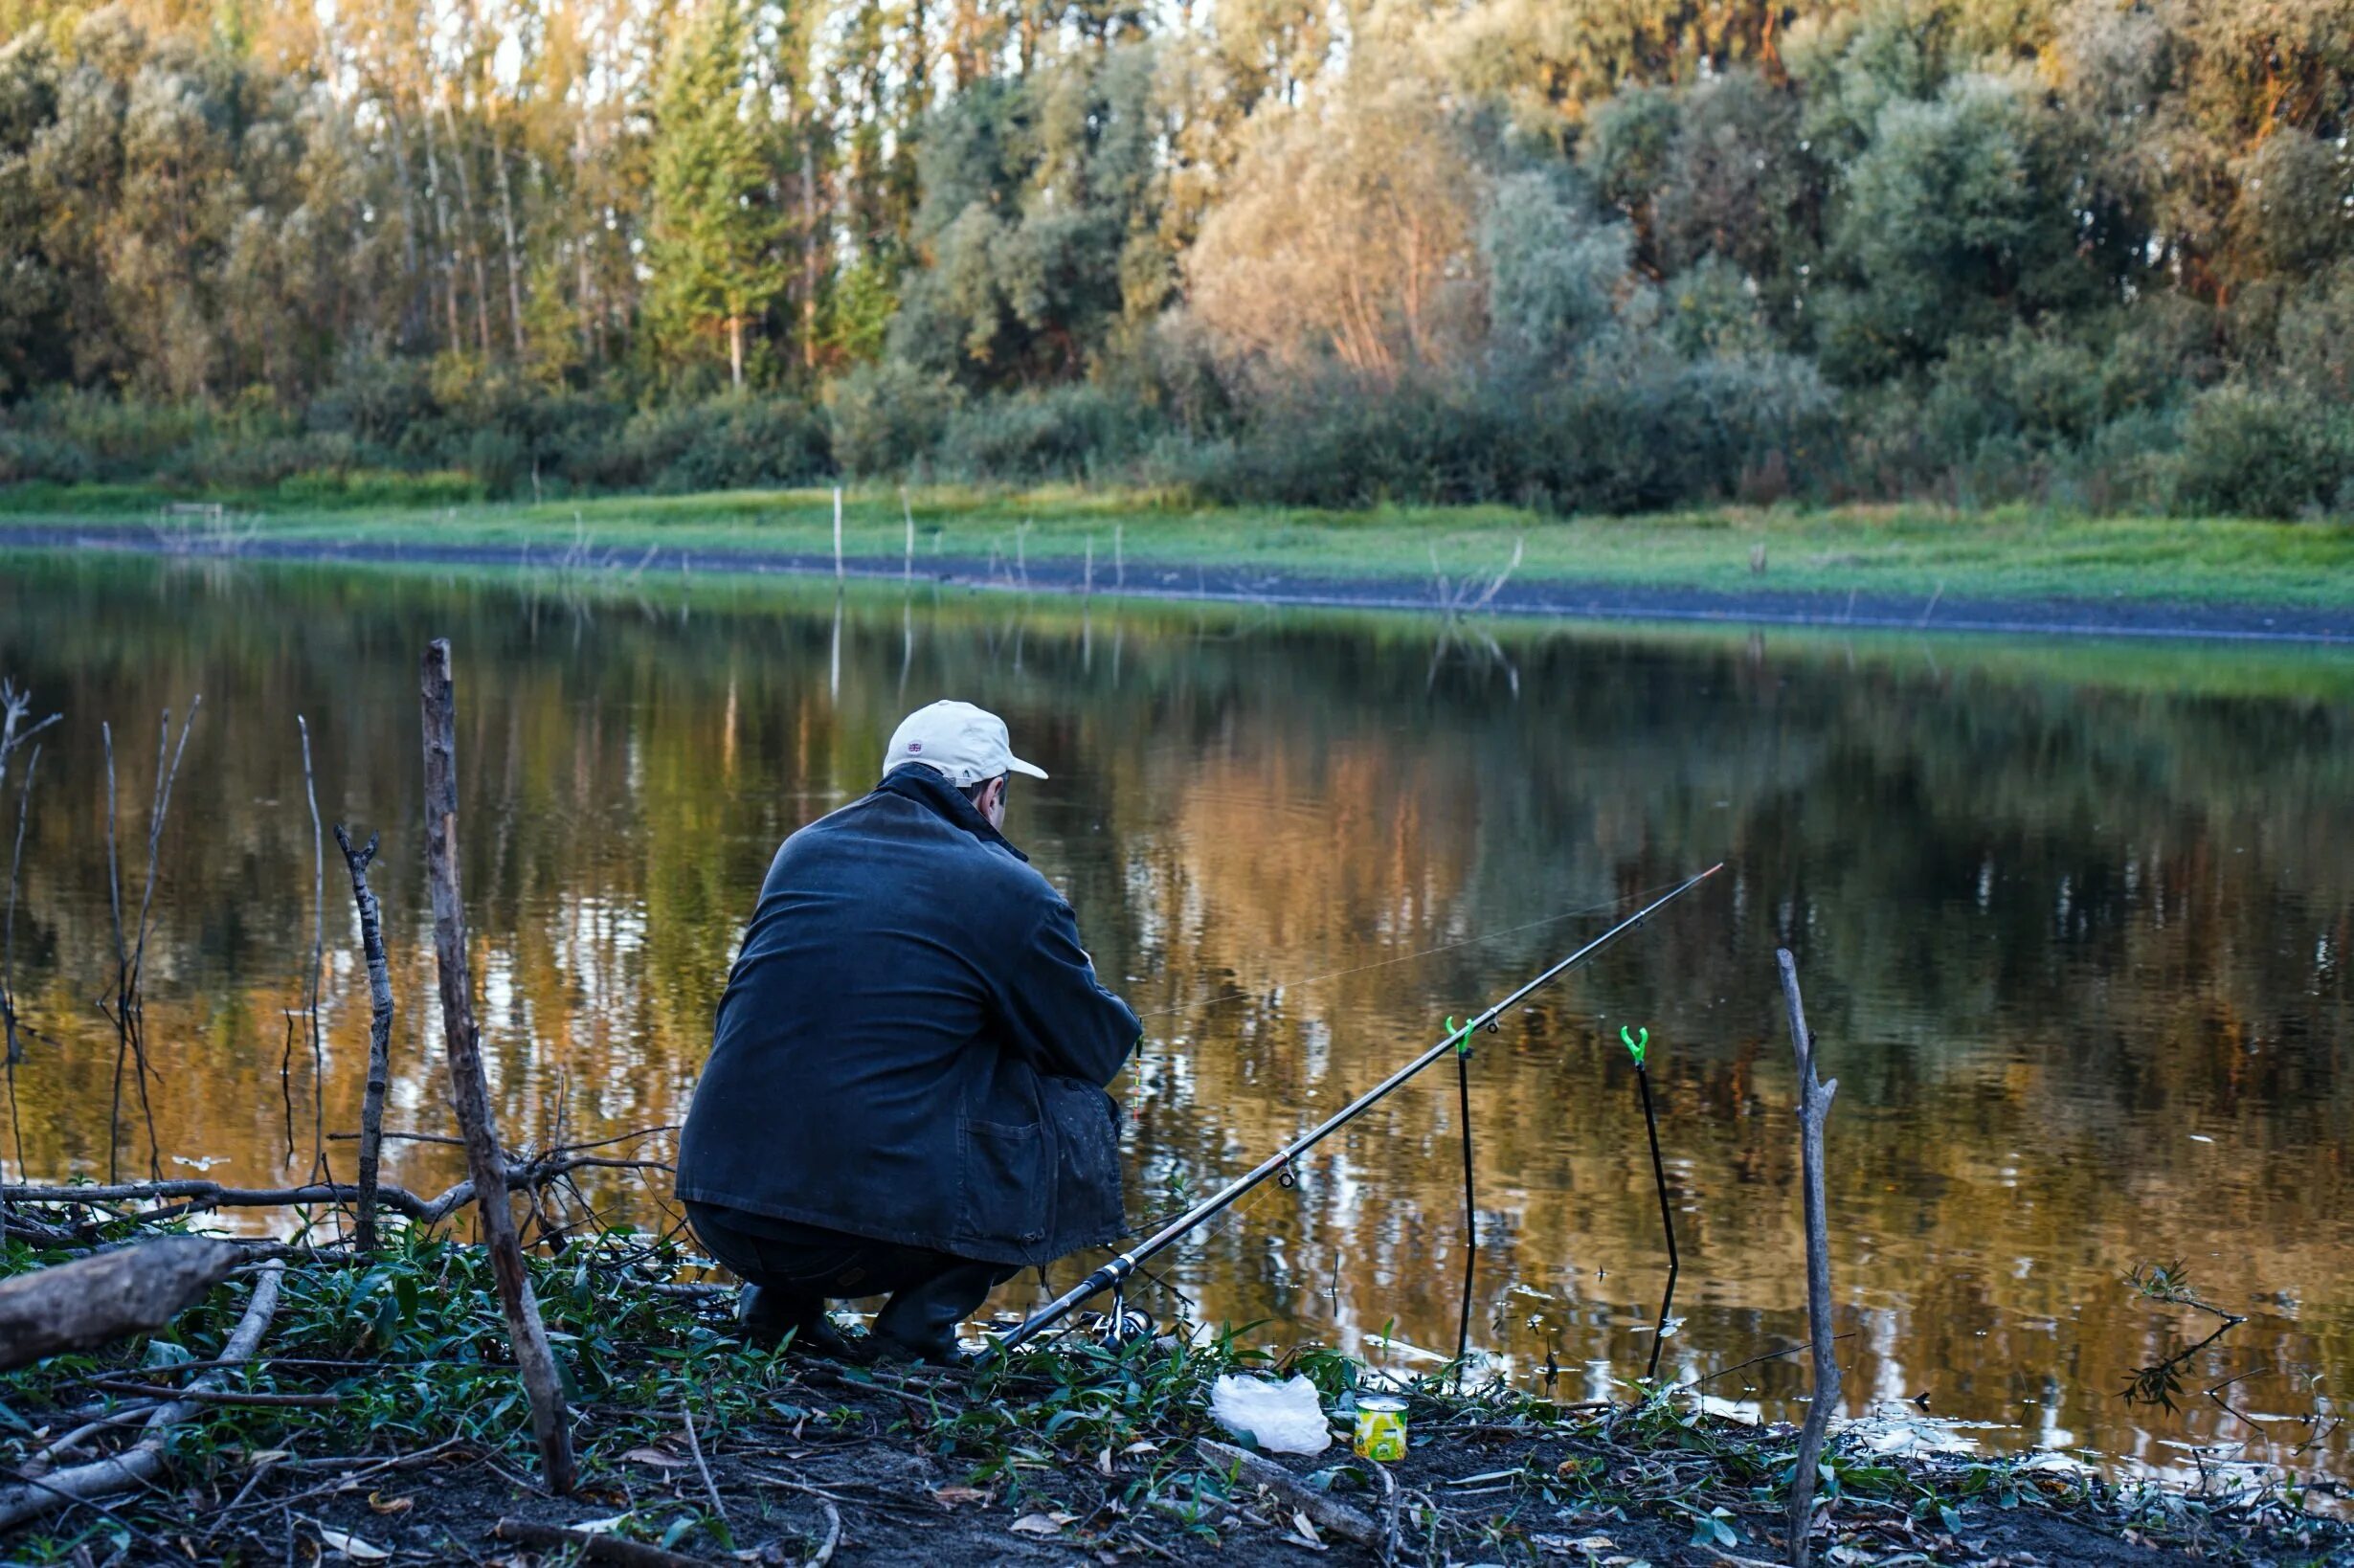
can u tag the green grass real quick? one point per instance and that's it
(1905, 551)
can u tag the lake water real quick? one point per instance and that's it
(2073, 922)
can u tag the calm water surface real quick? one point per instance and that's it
(2074, 922)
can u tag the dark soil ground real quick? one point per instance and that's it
(884, 1467)
(1229, 584)
(405, 1441)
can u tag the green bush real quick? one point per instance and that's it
(2258, 452)
(27, 456)
(887, 419)
(381, 488)
(1075, 432)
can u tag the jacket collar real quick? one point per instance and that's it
(915, 782)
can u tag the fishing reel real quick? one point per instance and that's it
(1124, 1325)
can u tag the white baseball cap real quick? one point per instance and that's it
(968, 744)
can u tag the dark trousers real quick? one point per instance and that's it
(799, 1268)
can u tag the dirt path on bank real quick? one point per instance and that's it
(1227, 583)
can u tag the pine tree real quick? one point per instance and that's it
(712, 243)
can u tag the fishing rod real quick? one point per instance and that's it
(1115, 1273)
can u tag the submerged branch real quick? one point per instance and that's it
(194, 1195)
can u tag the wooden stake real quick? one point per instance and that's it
(1666, 1217)
(908, 512)
(379, 1030)
(551, 1423)
(1470, 1207)
(1814, 1104)
(838, 534)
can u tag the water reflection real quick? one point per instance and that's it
(2074, 922)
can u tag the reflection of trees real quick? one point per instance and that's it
(2051, 928)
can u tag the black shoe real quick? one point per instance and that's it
(901, 1353)
(765, 1319)
(919, 1323)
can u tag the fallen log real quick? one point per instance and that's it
(144, 1460)
(1333, 1518)
(591, 1546)
(97, 1300)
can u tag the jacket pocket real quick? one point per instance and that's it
(1003, 1196)
(1087, 1187)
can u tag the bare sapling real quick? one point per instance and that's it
(13, 1031)
(128, 1010)
(1814, 1104)
(470, 1094)
(379, 1030)
(319, 1170)
(15, 707)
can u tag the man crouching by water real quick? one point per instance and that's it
(906, 1090)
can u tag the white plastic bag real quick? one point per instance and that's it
(1282, 1418)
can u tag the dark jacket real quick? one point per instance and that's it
(913, 1045)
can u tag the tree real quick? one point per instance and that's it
(1346, 232)
(1038, 231)
(711, 240)
(1956, 220)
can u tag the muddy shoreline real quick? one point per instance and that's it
(1225, 583)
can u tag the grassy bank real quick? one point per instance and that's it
(1141, 539)
(399, 1434)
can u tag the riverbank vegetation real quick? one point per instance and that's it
(1899, 560)
(376, 1417)
(1534, 252)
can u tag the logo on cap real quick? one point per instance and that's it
(915, 746)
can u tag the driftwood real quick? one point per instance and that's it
(379, 1031)
(96, 1300)
(144, 1460)
(591, 1546)
(1814, 1104)
(469, 1093)
(1331, 1517)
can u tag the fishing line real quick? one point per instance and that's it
(1225, 1223)
(1111, 1275)
(1408, 958)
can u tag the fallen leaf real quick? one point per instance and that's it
(1306, 1527)
(656, 1457)
(950, 1496)
(352, 1546)
(379, 1503)
(1142, 1446)
(1102, 1460)
(1036, 1524)
(268, 1456)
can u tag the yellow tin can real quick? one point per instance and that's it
(1381, 1428)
